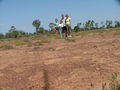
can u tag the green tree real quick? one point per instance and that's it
(117, 24)
(1, 36)
(102, 25)
(89, 25)
(96, 25)
(109, 24)
(42, 30)
(86, 25)
(77, 27)
(36, 24)
(12, 29)
(14, 33)
(52, 26)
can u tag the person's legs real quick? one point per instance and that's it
(60, 31)
(69, 30)
(56, 32)
(64, 31)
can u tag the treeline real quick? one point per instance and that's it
(88, 25)
(92, 25)
(15, 33)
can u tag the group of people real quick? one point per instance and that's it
(63, 27)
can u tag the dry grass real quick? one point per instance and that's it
(6, 47)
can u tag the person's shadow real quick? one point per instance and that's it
(46, 80)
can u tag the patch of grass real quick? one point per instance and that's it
(6, 47)
(26, 39)
(113, 85)
(70, 40)
(38, 43)
(19, 43)
(36, 48)
(57, 37)
(117, 33)
(51, 36)
(82, 33)
(54, 37)
(44, 40)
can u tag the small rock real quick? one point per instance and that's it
(98, 69)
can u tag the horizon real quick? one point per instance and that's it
(22, 13)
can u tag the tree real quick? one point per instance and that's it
(89, 25)
(36, 24)
(41, 30)
(102, 25)
(96, 25)
(14, 33)
(77, 27)
(1, 36)
(12, 29)
(108, 24)
(52, 26)
(92, 24)
(117, 24)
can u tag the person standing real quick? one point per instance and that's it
(56, 27)
(60, 28)
(68, 25)
(64, 29)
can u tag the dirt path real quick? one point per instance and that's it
(61, 64)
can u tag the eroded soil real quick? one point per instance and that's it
(61, 64)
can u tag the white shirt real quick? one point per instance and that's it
(61, 25)
(63, 20)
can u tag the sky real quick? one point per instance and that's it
(21, 13)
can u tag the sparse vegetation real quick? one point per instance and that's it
(70, 40)
(117, 33)
(6, 47)
(113, 85)
(19, 43)
(86, 26)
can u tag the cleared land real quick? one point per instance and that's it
(71, 64)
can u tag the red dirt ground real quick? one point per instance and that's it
(61, 64)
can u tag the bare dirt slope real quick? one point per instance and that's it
(61, 64)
